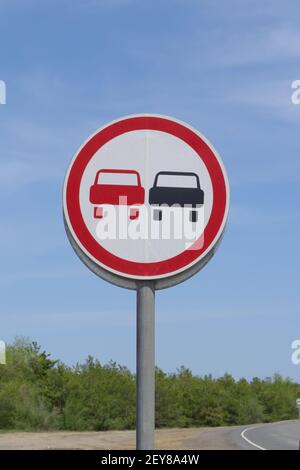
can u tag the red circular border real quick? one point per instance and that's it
(125, 267)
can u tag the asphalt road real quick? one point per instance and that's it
(284, 435)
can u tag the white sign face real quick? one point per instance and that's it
(298, 402)
(146, 197)
(136, 242)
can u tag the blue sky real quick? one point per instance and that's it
(224, 67)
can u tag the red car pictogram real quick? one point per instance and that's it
(117, 187)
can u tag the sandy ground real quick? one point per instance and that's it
(199, 438)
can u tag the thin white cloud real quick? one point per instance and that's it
(71, 320)
(45, 273)
(175, 315)
(273, 96)
(79, 3)
(260, 47)
(106, 3)
(17, 173)
(245, 216)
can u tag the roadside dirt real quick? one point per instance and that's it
(200, 438)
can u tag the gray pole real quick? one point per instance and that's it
(145, 357)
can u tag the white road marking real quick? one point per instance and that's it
(248, 440)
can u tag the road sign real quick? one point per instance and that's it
(298, 402)
(146, 198)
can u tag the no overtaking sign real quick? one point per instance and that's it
(146, 198)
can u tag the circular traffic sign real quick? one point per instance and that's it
(146, 198)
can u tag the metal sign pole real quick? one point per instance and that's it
(145, 369)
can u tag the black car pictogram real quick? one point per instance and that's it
(167, 192)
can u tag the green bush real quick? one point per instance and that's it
(38, 393)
